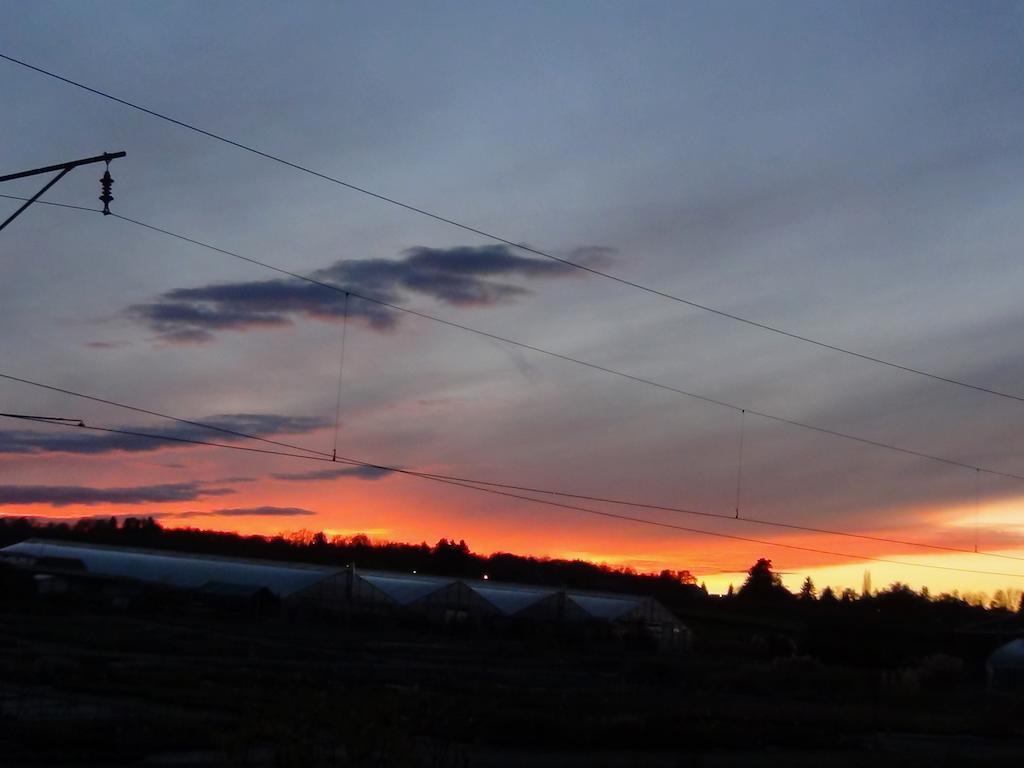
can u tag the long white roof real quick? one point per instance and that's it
(605, 607)
(510, 599)
(405, 589)
(177, 569)
(195, 571)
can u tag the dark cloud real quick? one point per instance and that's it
(70, 441)
(459, 276)
(105, 344)
(592, 255)
(246, 512)
(362, 473)
(233, 512)
(65, 495)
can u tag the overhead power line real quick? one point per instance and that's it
(324, 456)
(520, 246)
(475, 481)
(148, 412)
(500, 491)
(341, 372)
(743, 411)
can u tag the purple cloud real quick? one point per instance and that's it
(66, 495)
(460, 276)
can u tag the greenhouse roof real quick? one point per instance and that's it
(510, 599)
(1010, 655)
(604, 606)
(175, 569)
(240, 577)
(405, 589)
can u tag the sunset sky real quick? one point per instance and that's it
(849, 172)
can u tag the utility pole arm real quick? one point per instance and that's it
(106, 157)
(63, 169)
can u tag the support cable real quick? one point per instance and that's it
(341, 370)
(504, 488)
(158, 414)
(739, 464)
(551, 353)
(34, 197)
(977, 505)
(518, 245)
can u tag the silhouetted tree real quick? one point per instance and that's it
(807, 590)
(682, 577)
(763, 583)
(849, 628)
(898, 596)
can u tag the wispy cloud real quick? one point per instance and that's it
(106, 344)
(27, 441)
(460, 276)
(158, 515)
(244, 512)
(362, 473)
(66, 495)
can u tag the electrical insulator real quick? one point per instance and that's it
(106, 182)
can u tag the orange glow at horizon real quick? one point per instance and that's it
(398, 509)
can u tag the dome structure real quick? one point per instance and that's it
(1006, 667)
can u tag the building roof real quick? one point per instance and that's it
(510, 599)
(1009, 656)
(606, 607)
(175, 569)
(405, 589)
(240, 577)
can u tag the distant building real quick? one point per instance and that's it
(1005, 668)
(98, 565)
(70, 566)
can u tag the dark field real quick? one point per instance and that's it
(201, 688)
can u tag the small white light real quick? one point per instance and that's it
(486, 577)
(414, 571)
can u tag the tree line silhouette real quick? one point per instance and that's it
(447, 557)
(871, 626)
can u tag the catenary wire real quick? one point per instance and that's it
(528, 249)
(502, 486)
(556, 493)
(553, 354)
(158, 414)
(468, 484)
(341, 372)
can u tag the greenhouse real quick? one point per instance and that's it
(287, 581)
(515, 599)
(1006, 668)
(81, 567)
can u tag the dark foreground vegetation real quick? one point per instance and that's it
(887, 679)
